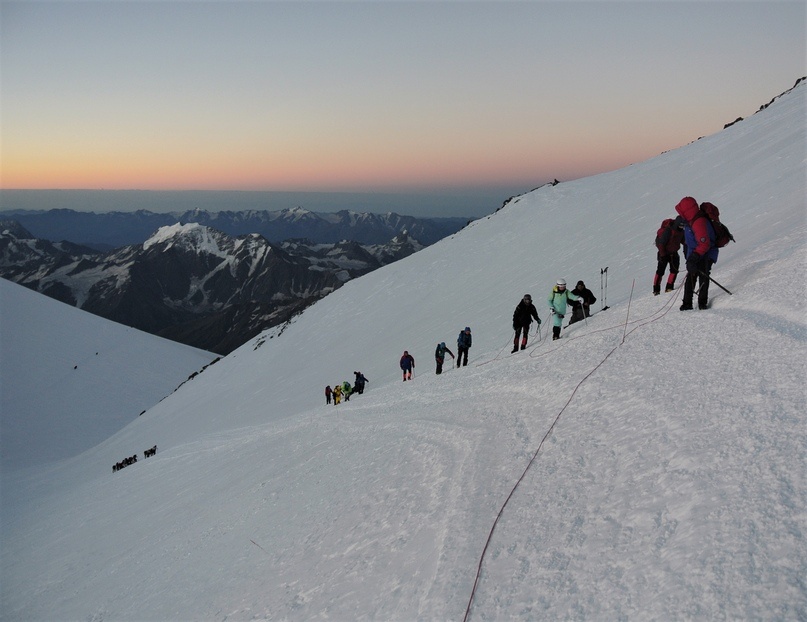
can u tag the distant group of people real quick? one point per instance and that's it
(696, 229)
(345, 390)
(133, 459)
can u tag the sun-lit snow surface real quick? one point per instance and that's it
(69, 379)
(672, 485)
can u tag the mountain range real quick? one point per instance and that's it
(192, 283)
(108, 230)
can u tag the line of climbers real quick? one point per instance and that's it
(133, 459)
(697, 228)
(464, 343)
(344, 390)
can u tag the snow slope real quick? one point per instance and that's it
(69, 379)
(650, 465)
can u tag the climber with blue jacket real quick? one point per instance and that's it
(558, 300)
(700, 250)
(464, 342)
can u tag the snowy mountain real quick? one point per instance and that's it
(114, 229)
(191, 283)
(70, 379)
(649, 465)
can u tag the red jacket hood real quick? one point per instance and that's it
(688, 208)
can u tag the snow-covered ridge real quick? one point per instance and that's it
(187, 232)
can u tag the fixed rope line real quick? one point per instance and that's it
(546, 436)
(640, 322)
(497, 355)
(523, 475)
(627, 315)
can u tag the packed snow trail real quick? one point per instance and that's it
(656, 316)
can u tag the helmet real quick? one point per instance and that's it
(561, 282)
(468, 328)
(527, 298)
(443, 344)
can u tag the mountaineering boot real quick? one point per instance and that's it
(555, 333)
(686, 307)
(702, 306)
(670, 282)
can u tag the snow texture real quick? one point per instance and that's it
(69, 379)
(649, 465)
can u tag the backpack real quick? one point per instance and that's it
(664, 237)
(722, 234)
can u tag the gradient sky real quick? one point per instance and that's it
(374, 96)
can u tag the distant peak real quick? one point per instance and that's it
(168, 232)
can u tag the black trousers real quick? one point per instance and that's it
(462, 355)
(673, 260)
(701, 279)
(521, 330)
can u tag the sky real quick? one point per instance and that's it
(649, 465)
(361, 97)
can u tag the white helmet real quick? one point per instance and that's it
(562, 282)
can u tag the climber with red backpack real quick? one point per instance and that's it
(704, 234)
(668, 241)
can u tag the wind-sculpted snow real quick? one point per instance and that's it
(649, 465)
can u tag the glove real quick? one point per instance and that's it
(539, 321)
(693, 262)
(560, 315)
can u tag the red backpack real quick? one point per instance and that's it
(722, 234)
(668, 238)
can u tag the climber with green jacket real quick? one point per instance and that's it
(558, 300)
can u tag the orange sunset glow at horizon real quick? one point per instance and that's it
(335, 97)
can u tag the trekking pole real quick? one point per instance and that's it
(715, 282)
(602, 302)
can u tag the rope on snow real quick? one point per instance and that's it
(653, 318)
